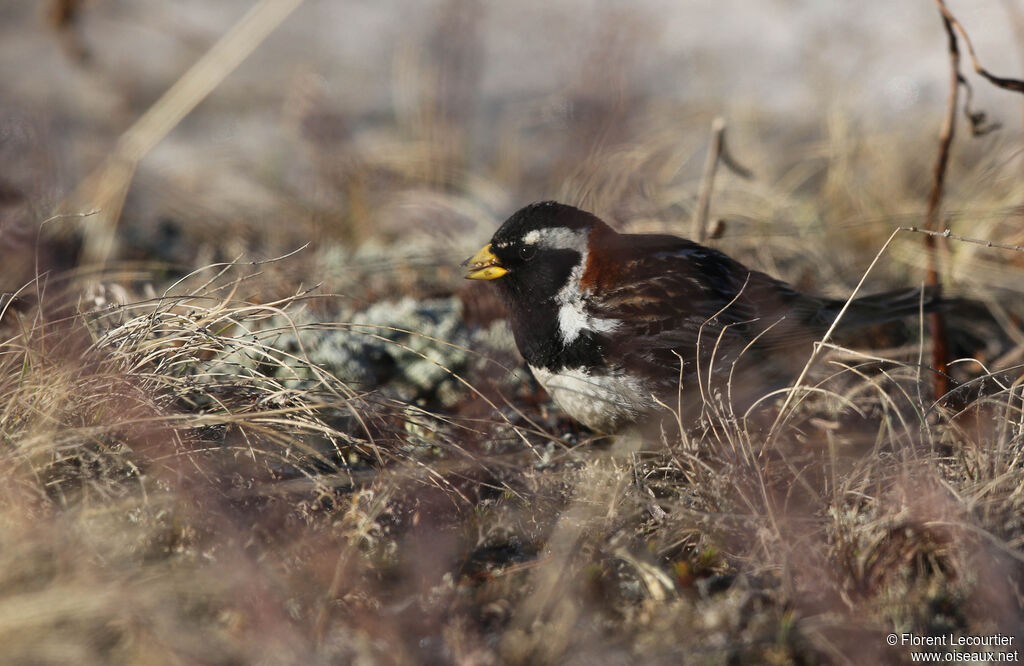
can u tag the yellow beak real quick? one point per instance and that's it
(484, 265)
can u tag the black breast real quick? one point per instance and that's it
(535, 328)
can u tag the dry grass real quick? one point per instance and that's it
(184, 484)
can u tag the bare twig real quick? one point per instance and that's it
(1006, 83)
(965, 239)
(979, 125)
(700, 215)
(1016, 15)
(106, 187)
(936, 321)
(717, 152)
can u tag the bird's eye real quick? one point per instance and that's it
(526, 252)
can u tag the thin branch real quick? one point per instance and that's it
(707, 180)
(717, 152)
(979, 125)
(936, 321)
(1006, 83)
(966, 239)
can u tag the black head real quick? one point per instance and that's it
(536, 258)
(532, 254)
(540, 216)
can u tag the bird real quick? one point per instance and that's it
(618, 326)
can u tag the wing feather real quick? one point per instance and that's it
(674, 297)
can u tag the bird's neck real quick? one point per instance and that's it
(539, 338)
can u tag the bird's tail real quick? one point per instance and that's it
(891, 305)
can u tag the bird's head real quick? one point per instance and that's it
(534, 254)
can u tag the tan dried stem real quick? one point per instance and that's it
(106, 187)
(718, 152)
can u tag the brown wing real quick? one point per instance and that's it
(674, 298)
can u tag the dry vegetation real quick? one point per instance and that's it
(220, 460)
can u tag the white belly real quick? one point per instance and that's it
(603, 402)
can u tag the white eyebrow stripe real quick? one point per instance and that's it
(558, 238)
